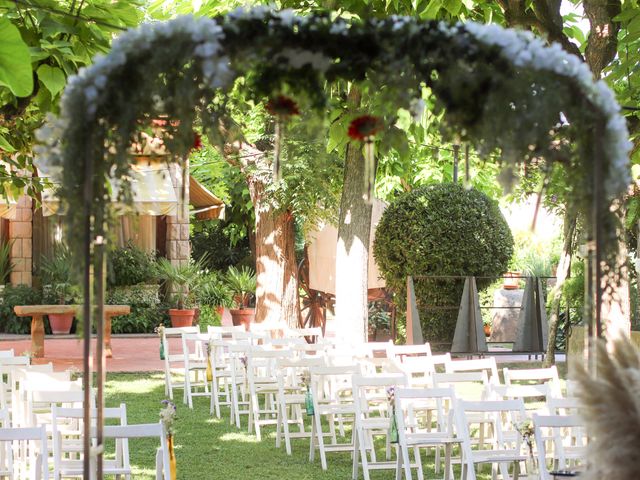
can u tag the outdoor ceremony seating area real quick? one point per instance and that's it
(390, 406)
(41, 425)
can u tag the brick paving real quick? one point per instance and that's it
(131, 353)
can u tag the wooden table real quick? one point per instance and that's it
(37, 313)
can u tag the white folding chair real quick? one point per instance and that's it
(476, 365)
(240, 402)
(331, 392)
(533, 376)
(312, 334)
(7, 353)
(174, 362)
(419, 371)
(467, 385)
(373, 417)
(28, 452)
(425, 420)
(263, 387)
(502, 447)
(533, 396)
(220, 376)
(562, 406)
(560, 443)
(67, 425)
(145, 430)
(292, 397)
(195, 366)
(403, 351)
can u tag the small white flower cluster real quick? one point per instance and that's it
(49, 151)
(523, 49)
(298, 58)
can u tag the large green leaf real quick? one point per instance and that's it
(53, 78)
(15, 60)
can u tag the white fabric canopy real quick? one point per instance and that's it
(153, 192)
(322, 254)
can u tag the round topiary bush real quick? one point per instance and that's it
(441, 230)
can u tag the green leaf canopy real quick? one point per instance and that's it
(15, 60)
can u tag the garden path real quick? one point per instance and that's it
(131, 353)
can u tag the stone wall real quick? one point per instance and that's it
(21, 233)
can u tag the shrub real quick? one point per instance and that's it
(147, 312)
(130, 265)
(209, 238)
(12, 296)
(441, 230)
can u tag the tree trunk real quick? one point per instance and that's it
(352, 252)
(274, 242)
(563, 272)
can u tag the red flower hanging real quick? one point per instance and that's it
(197, 142)
(282, 106)
(363, 127)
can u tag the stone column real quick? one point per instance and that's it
(178, 246)
(21, 234)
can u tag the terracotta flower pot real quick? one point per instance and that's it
(511, 281)
(181, 318)
(61, 323)
(243, 316)
(487, 330)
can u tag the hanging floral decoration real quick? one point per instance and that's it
(365, 128)
(282, 108)
(504, 90)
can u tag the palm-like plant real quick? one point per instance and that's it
(57, 276)
(180, 280)
(242, 283)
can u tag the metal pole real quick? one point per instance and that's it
(594, 277)
(99, 272)
(456, 159)
(86, 312)
(467, 167)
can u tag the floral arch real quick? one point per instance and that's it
(500, 89)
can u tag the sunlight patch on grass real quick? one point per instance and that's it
(238, 437)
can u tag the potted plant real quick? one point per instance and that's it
(59, 288)
(486, 323)
(213, 291)
(179, 282)
(242, 283)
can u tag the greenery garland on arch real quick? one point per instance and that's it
(500, 89)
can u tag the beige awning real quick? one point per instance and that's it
(153, 192)
(206, 206)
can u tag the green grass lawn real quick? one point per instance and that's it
(208, 448)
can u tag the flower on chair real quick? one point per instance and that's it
(168, 416)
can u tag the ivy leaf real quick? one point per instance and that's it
(15, 60)
(53, 78)
(5, 145)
